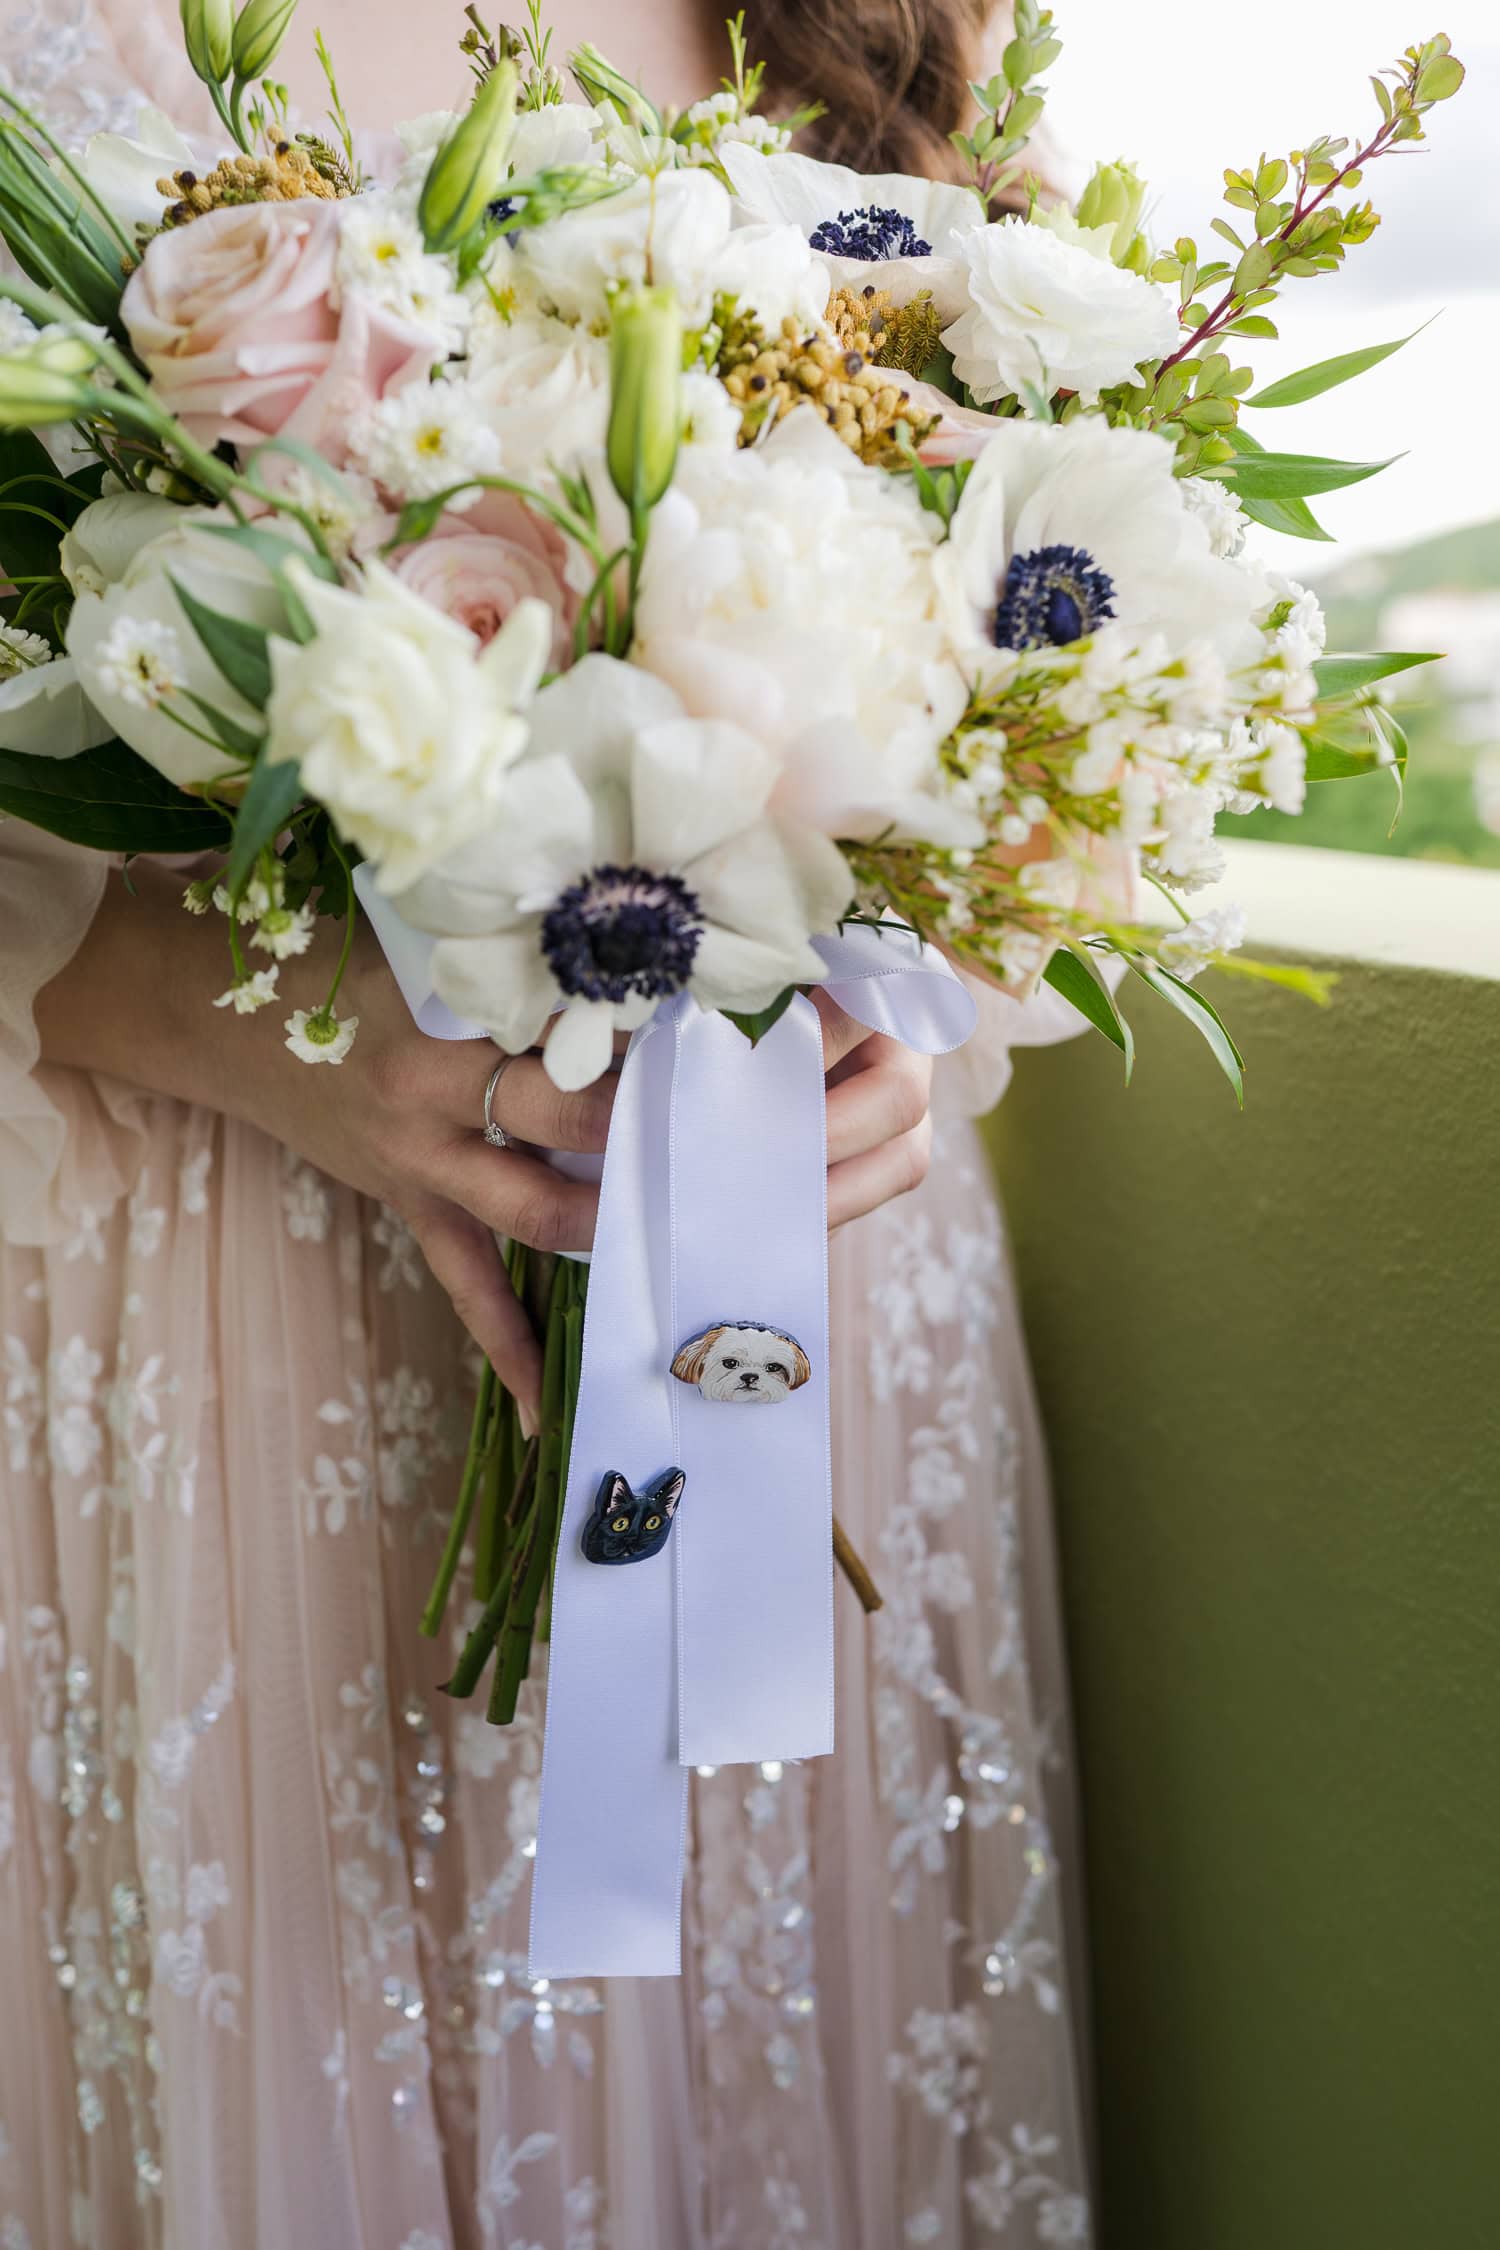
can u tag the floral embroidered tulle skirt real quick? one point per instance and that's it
(263, 1890)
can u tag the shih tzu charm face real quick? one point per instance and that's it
(739, 1363)
(628, 1527)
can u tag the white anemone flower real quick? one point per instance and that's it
(1053, 315)
(886, 230)
(1061, 532)
(676, 229)
(636, 859)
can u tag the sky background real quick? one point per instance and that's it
(1185, 93)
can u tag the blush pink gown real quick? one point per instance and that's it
(263, 1891)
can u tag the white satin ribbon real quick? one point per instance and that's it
(712, 1207)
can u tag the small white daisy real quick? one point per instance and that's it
(250, 992)
(139, 660)
(199, 895)
(284, 933)
(20, 651)
(318, 1037)
(427, 437)
(256, 899)
(381, 254)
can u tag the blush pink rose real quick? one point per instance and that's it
(233, 318)
(478, 578)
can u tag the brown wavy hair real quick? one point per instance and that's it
(894, 73)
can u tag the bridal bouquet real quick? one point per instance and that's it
(625, 557)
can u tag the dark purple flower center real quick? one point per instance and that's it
(870, 233)
(1051, 596)
(622, 933)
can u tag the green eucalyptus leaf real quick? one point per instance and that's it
(110, 800)
(241, 651)
(1200, 1013)
(1290, 476)
(275, 789)
(1294, 517)
(1342, 675)
(1078, 981)
(1327, 374)
(763, 1020)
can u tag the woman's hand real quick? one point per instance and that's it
(399, 1119)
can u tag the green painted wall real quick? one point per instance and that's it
(1268, 1352)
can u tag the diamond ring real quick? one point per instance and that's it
(495, 1134)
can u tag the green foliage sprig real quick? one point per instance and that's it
(1295, 230)
(1011, 105)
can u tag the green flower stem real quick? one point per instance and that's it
(442, 1585)
(572, 1327)
(351, 918)
(501, 1465)
(534, 1558)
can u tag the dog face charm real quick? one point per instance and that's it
(739, 1363)
(630, 1527)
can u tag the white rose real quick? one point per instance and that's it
(677, 229)
(792, 591)
(139, 609)
(1052, 314)
(403, 726)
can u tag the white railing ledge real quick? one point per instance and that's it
(1353, 906)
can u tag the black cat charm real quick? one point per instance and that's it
(632, 1527)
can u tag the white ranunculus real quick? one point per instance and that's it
(793, 591)
(903, 232)
(1045, 507)
(404, 727)
(1052, 315)
(139, 607)
(123, 172)
(541, 387)
(637, 857)
(676, 230)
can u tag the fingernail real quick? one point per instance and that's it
(527, 1419)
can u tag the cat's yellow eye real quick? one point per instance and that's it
(653, 1523)
(621, 1523)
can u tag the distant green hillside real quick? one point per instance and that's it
(1450, 730)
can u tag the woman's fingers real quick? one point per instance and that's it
(465, 1260)
(840, 1032)
(863, 1183)
(880, 1093)
(528, 1107)
(517, 1195)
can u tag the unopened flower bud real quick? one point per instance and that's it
(1114, 198)
(46, 382)
(208, 33)
(469, 168)
(645, 387)
(262, 26)
(601, 82)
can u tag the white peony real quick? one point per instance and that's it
(677, 230)
(790, 590)
(1061, 530)
(138, 612)
(637, 857)
(1053, 315)
(885, 230)
(403, 726)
